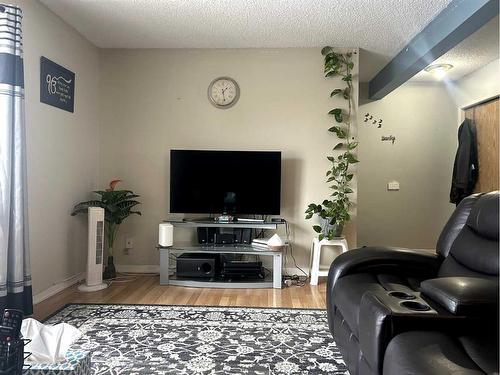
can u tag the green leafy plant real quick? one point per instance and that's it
(117, 205)
(334, 211)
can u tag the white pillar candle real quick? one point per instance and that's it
(166, 234)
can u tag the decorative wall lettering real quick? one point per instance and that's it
(389, 138)
(57, 85)
(373, 121)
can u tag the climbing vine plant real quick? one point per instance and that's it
(335, 210)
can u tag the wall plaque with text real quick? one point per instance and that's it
(57, 85)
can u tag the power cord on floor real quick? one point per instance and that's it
(120, 278)
(127, 277)
(295, 279)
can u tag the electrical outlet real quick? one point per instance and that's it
(129, 243)
(125, 251)
(393, 185)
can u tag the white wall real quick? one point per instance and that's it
(62, 148)
(477, 86)
(423, 118)
(156, 100)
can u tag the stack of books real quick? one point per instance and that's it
(260, 244)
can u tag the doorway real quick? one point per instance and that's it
(485, 115)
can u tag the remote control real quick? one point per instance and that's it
(14, 319)
(5, 339)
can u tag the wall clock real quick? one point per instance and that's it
(223, 92)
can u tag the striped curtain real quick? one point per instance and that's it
(15, 275)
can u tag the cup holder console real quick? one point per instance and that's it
(415, 306)
(402, 302)
(402, 295)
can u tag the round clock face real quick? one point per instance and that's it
(223, 92)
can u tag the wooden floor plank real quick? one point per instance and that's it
(146, 289)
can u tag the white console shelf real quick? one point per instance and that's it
(272, 225)
(271, 281)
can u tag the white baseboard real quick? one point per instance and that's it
(58, 287)
(133, 268)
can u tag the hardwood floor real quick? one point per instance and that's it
(146, 289)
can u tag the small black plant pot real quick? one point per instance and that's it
(109, 270)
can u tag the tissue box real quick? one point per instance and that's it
(77, 363)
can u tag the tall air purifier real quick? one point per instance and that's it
(93, 281)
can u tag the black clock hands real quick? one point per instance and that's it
(223, 94)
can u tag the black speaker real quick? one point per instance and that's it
(237, 235)
(246, 236)
(211, 232)
(198, 265)
(206, 235)
(202, 235)
(224, 238)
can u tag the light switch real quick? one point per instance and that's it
(393, 185)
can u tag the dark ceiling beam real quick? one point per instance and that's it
(455, 23)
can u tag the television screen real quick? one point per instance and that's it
(230, 182)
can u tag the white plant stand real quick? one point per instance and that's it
(314, 270)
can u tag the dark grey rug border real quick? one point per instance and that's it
(163, 305)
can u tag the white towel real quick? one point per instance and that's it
(48, 343)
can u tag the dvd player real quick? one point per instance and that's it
(241, 269)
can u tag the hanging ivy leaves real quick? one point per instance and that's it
(338, 132)
(335, 92)
(347, 78)
(326, 50)
(338, 146)
(352, 145)
(337, 113)
(346, 93)
(351, 158)
(335, 210)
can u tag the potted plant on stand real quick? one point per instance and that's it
(334, 211)
(117, 205)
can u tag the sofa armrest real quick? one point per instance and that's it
(463, 295)
(382, 316)
(418, 262)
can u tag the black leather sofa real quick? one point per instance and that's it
(398, 311)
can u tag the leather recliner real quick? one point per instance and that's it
(402, 311)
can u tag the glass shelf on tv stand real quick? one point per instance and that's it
(206, 223)
(222, 249)
(274, 281)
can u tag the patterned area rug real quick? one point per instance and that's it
(153, 339)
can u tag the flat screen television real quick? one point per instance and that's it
(229, 182)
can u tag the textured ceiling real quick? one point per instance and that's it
(381, 26)
(471, 54)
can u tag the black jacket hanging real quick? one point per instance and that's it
(466, 168)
